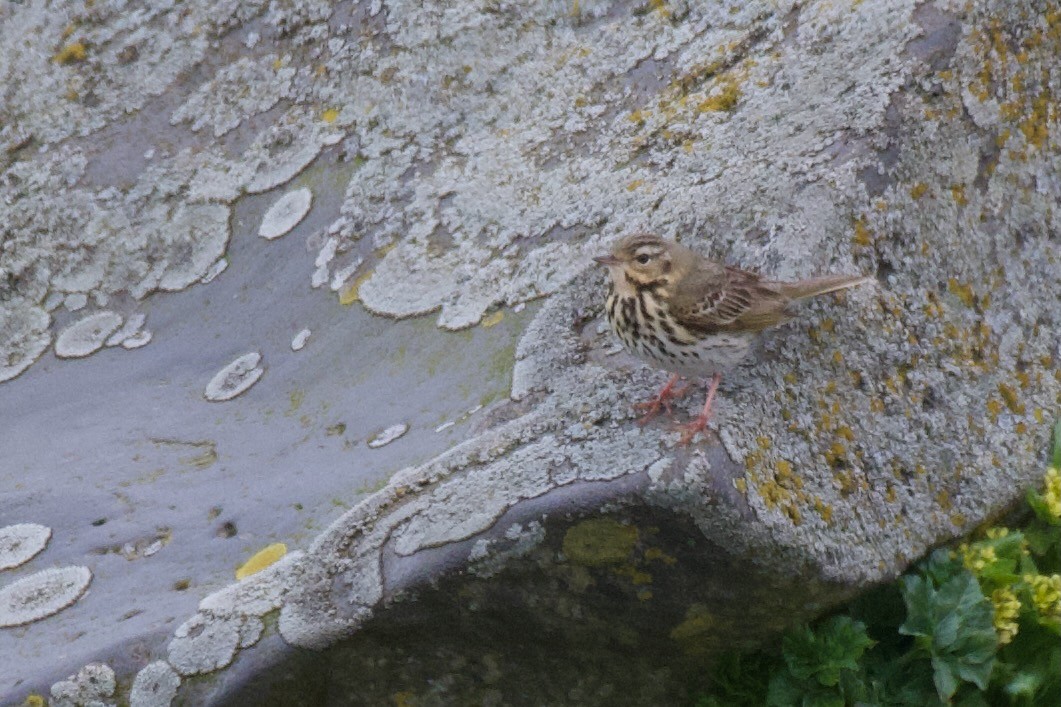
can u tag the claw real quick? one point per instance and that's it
(662, 401)
(700, 423)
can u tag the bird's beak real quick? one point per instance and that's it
(607, 260)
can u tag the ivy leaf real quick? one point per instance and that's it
(955, 625)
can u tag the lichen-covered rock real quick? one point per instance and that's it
(914, 141)
(90, 687)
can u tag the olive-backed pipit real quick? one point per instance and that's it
(693, 316)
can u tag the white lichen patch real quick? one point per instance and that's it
(257, 594)
(127, 330)
(197, 235)
(299, 342)
(155, 685)
(87, 335)
(487, 558)
(286, 213)
(235, 378)
(205, 643)
(248, 86)
(287, 147)
(388, 435)
(91, 686)
(22, 542)
(219, 266)
(24, 336)
(42, 594)
(140, 338)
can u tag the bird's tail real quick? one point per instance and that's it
(821, 285)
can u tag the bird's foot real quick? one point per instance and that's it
(700, 423)
(662, 401)
(689, 431)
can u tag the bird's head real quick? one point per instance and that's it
(643, 260)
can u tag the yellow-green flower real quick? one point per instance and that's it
(1007, 608)
(1052, 494)
(1046, 594)
(977, 557)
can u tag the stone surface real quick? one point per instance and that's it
(457, 173)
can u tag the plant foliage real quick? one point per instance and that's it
(972, 626)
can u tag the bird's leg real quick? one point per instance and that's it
(663, 400)
(700, 423)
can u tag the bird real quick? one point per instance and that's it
(692, 316)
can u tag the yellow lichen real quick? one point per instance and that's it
(824, 510)
(1009, 395)
(330, 115)
(1036, 126)
(70, 53)
(492, 320)
(918, 190)
(265, 557)
(724, 99)
(599, 541)
(655, 553)
(350, 294)
(962, 291)
(958, 192)
(862, 235)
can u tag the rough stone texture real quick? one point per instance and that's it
(486, 149)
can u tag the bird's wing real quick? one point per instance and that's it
(721, 298)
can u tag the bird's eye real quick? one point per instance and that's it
(643, 259)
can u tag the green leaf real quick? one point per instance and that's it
(944, 678)
(783, 691)
(740, 679)
(822, 654)
(1023, 684)
(940, 566)
(823, 699)
(919, 596)
(958, 621)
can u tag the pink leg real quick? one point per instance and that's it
(661, 401)
(700, 423)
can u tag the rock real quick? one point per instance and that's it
(916, 142)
